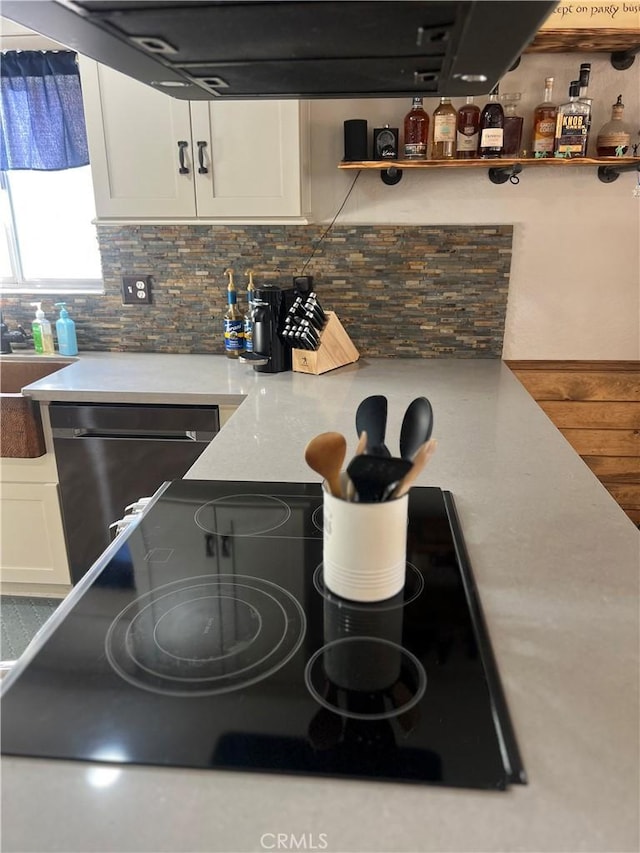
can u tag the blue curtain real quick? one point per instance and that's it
(41, 114)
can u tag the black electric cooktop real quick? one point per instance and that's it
(209, 640)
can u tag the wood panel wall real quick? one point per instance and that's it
(596, 406)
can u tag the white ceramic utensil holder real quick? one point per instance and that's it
(365, 547)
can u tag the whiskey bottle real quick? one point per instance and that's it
(544, 123)
(571, 125)
(443, 142)
(467, 135)
(233, 322)
(614, 137)
(583, 79)
(416, 132)
(512, 125)
(492, 127)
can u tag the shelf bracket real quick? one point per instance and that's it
(391, 176)
(609, 174)
(500, 175)
(623, 59)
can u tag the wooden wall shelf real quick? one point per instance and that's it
(601, 40)
(500, 170)
(554, 162)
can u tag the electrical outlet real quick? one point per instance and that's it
(136, 289)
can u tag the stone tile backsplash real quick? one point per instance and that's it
(404, 291)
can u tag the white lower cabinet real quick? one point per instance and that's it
(156, 157)
(32, 544)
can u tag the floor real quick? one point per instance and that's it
(21, 617)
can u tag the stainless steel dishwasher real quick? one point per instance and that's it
(109, 455)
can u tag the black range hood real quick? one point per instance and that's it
(201, 50)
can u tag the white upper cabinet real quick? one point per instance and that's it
(156, 157)
(252, 157)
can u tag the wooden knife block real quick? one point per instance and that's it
(336, 349)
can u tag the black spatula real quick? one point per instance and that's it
(374, 476)
(371, 416)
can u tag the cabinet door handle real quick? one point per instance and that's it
(182, 146)
(202, 169)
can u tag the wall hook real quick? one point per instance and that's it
(623, 59)
(391, 176)
(609, 174)
(500, 175)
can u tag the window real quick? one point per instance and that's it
(48, 242)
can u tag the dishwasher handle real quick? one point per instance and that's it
(134, 435)
(139, 421)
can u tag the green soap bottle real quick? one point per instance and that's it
(42, 333)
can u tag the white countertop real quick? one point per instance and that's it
(556, 563)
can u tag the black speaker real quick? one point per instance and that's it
(355, 139)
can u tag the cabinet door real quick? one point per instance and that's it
(32, 545)
(253, 158)
(133, 133)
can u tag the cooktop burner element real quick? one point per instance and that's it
(207, 639)
(413, 586)
(243, 515)
(205, 635)
(366, 678)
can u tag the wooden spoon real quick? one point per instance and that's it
(325, 454)
(421, 458)
(360, 449)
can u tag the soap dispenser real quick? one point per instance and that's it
(5, 340)
(66, 332)
(42, 334)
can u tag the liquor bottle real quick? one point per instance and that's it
(233, 322)
(467, 136)
(492, 127)
(544, 123)
(443, 141)
(512, 125)
(248, 317)
(583, 79)
(571, 125)
(614, 137)
(416, 132)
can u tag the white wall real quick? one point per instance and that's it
(575, 272)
